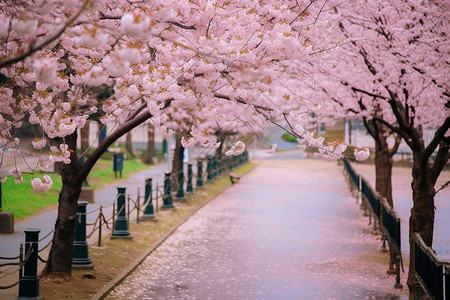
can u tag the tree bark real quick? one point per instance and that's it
(383, 169)
(150, 144)
(221, 136)
(383, 159)
(129, 144)
(425, 175)
(60, 257)
(421, 219)
(177, 161)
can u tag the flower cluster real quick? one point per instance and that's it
(135, 24)
(45, 69)
(39, 143)
(188, 142)
(43, 185)
(17, 174)
(95, 76)
(61, 154)
(93, 37)
(237, 149)
(361, 154)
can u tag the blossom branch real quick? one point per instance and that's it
(242, 101)
(192, 27)
(109, 140)
(9, 61)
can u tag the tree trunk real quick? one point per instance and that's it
(72, 175)
(220, 138)
(383, 169)
(150, 145)
(129, 144)
(177, 161)
(60, 257)
(422, 212)
(383, 159)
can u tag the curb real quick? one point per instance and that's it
(130, 268)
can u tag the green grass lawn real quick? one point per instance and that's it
(102, 174)
(24, 201)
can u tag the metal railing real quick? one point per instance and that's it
(432, 274)
(382, 214)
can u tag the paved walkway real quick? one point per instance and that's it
(288, 230)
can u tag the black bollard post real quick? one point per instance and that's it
(189, 188)
(167, 198)
(209, 177)
(80, 257)
(29, 283)
(199, 174)
(121, 228)
(180, 189)
(149, 213)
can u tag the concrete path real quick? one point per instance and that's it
(288, 230)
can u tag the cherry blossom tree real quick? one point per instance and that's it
(395, 73)
(339, 102)
(58, 57)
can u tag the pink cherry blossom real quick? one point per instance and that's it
(115, 67)
(59, 155)
(17, 175)
(237, 149)
(361, 154)
(188, 142)
(39, 143)
(42, 186)
(45, 69)
(130, 54)
(92, 37)
(135, 24)
(95, 76)
(24, 26)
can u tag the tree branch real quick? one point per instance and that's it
(394, 149)
(110, 139)
(242, 101)
(438, 138)
(441, 159)
(369, 128)
(182, 25)
(9, 61)
(391, 127)
(368, 93)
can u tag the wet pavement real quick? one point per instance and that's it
(290, 229)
